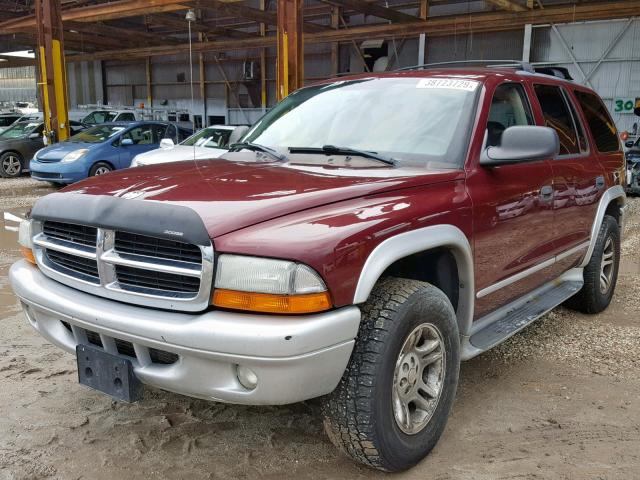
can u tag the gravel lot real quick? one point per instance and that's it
(558, 401)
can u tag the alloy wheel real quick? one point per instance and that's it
(606, 265)
(11, 165)
(418, 378)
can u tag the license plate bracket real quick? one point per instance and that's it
(108, 373)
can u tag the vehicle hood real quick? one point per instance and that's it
(178, 153)
(238, 191)
(59, 150)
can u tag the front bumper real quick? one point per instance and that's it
(294, 358)
(57, 172)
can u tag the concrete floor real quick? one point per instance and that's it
(558, 401)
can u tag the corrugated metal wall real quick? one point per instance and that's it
(603, 55)
(18, 84)
(617, 73)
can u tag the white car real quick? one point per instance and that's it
(210, 142)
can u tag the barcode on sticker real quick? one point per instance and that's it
(453, 83)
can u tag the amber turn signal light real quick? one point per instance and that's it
(270, 303)
(28, 254)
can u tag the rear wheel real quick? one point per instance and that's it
(10, 165)
(100, 168)
(601, 273)
(392, 403)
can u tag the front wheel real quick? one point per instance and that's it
(10, 165)
(100, 168)
(393, 401)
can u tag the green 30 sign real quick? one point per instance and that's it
(624, 105)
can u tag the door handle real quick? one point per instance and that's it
(600, 181)
(546, 193)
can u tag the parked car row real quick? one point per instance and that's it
(105, 147)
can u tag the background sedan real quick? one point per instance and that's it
(20, 141)
(96, 151)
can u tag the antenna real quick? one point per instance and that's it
(191, 17)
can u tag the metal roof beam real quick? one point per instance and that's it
(369, 8)
(435, 26)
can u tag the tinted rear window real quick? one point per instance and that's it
(557, 116)
(602, 127)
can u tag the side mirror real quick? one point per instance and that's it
(522, 144)
(628, 143)
(34, 136)
(166, 143)
(125, 142)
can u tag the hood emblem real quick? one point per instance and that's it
(173, 232)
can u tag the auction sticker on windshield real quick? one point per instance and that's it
(452, 83)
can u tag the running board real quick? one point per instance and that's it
(498, 326)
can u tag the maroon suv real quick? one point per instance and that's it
(367, 235)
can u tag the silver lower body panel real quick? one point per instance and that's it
(294, 357)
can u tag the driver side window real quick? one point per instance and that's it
(140, 135)
(509, 107)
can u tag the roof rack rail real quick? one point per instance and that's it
(490, 63)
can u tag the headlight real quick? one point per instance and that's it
(267, 285)
(25, 239)
(75, 155)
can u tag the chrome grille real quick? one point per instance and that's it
(139, 278)
(72, 264)
(70, 232)
(126, 266)
(157, 247)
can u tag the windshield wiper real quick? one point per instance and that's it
(329, 149)
(256, 147)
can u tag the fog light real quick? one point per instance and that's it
(247, 377)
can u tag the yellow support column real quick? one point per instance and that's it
(52, 75)
(290, 62)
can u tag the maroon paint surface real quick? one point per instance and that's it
(331, 216)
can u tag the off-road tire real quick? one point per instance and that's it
(5, 158)
(590, 299)
(358, 415)
(99, 166)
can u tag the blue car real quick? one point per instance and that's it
(99, 150)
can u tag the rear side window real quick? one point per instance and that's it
(600, 124)
(558, 116)
(577, 123)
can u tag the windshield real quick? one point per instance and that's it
(414, 120)
(18, 130)
(97, 134)
(209, 138)
(100, 117)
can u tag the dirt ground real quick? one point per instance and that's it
(558, 401)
